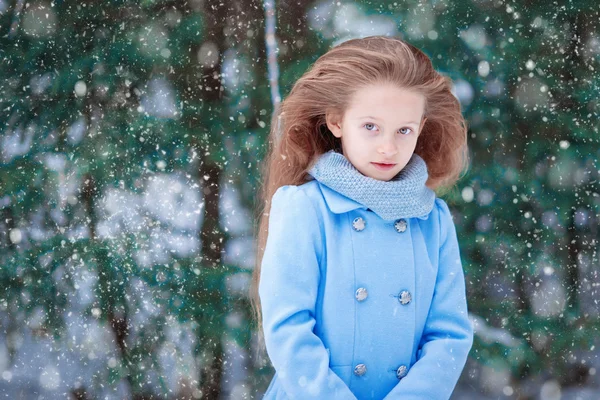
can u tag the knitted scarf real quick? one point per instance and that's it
(404, 196)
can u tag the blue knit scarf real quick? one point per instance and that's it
(404, 196)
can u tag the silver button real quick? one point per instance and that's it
(358, 224)
(400, 225)
(361, 294)
(404, 297)
(360, 369)
(401, 371)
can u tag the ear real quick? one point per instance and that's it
(334, 124)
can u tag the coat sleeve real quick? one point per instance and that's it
(288, 287)
(448, 334)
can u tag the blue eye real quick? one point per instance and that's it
(369, 123)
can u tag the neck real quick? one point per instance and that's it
(404, 196)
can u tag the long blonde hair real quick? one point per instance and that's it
(299, 133)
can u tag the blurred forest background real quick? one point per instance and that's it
(131, 136)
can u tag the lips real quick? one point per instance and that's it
(383, 166)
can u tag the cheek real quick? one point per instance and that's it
(358, 136)
(358, 143)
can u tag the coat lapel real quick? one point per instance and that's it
(337, 202)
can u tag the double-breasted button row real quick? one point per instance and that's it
(360, 224)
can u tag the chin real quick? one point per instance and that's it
(389, 178)
(383, 175)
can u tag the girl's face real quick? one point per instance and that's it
(381, 125)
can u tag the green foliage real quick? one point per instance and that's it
(533, 138)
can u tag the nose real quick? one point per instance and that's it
(388, 147)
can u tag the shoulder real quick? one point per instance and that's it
(442, 208)
(296, 201)
(294, 214)
(447, 228)
(297, 196)
(439, 213)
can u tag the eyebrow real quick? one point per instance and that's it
(369, 117)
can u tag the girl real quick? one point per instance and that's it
(358, 286)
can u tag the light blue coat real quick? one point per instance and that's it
(336, 325)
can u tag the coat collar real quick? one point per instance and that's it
(345, 188)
